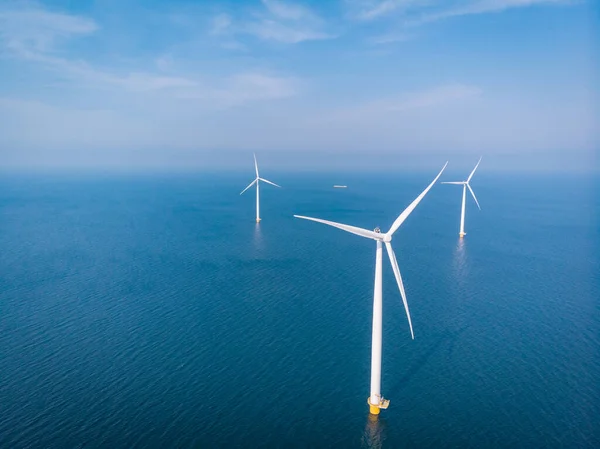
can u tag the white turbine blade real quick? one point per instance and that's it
(412, 206)
(471, 175)
(474, 197)
(353, 229)
(453, 182)
(396, 269)
(250, 185)
(255, 165)
(269, 182)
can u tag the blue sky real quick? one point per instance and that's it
(378, 83)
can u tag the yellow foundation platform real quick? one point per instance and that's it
(376, 409)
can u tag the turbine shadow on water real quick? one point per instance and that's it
(449, 337)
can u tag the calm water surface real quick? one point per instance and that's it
(151, 311)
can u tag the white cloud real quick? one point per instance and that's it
(35, 35)
(287, 23)
(476, 7)
(288, 11)
(244, 87)
(426, 99)
(85, 75)
(37, 30)
(263, 86)
(280, 32)
(407, 14)
(435, 96)
(420, 12)
(380, 9)
(390, 38)
(366, 10)
(220, 24)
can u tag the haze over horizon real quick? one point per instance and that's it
(346, 84)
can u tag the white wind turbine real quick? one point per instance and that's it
(465, 184)
(258, 178)
(376, 400)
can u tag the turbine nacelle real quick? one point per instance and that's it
(381, 236)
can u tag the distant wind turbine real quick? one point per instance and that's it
(465, 185)
(376, 400)
(256, 181)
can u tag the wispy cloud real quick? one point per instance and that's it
(30, 30)
(391, 38)
(477, 7)
(37, 35)
(409, 101)
(41, 37)
(244, 87)
(220, 24)
(370, 10)
(277, 21)
(409, 14)
(366, 10)
(281, 32)
(433, 97)
(289, 11)
(420, 12)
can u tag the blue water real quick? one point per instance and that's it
(151, 311)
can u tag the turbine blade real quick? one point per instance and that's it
(396, 269)
(250, 185)
(474, 197)
(414, 204)
(471, 175)
(453, 182)
(255, 165)
(269, 182)
(353, 229)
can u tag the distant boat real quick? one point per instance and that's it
(339, 187)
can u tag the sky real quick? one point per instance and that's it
(148, 84)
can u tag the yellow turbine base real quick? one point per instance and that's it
(374, 410)
(462, 235)
(258, 220)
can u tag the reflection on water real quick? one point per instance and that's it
(459, 259)
(374, 433)
(257, 238)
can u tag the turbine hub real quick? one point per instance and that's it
(382, 237)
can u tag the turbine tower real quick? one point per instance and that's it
(258, 178)
(465, 185)
(376, 401)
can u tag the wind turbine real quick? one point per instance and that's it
(376, 400)
(465, 184)
(256, 181)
